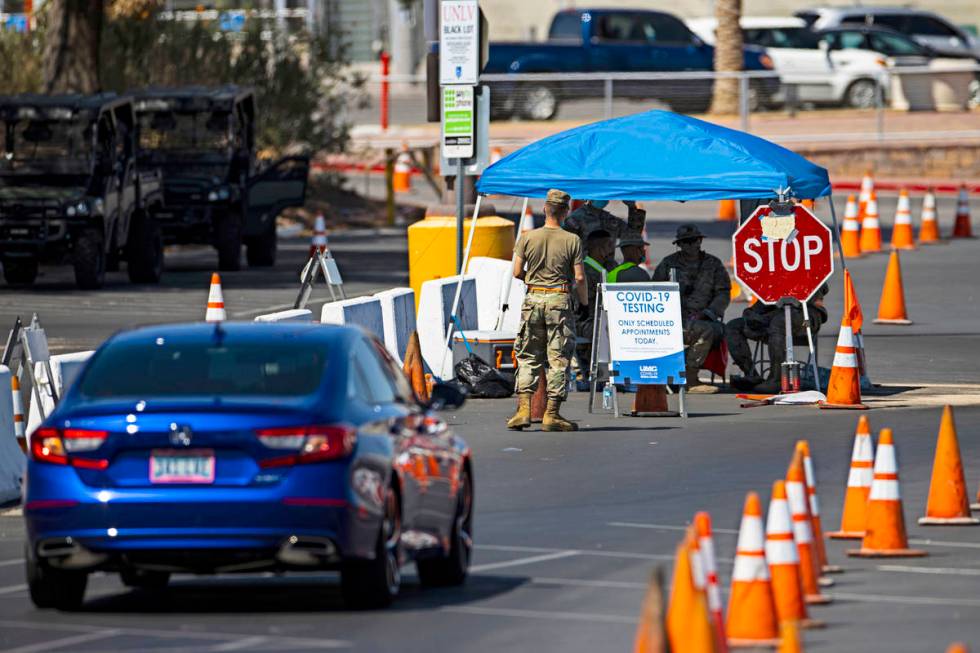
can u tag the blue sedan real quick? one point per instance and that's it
(242, 447)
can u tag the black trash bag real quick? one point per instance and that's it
(481, 380)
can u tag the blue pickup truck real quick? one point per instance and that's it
(612, 40)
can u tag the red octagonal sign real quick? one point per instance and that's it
(792, 261)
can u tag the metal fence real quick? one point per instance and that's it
(938, 102)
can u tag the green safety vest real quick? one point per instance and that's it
(594, 264)
(614, 274)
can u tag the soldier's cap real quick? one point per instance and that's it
(558, 197)
(687, 232)
(633, 242)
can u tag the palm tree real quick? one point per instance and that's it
(728, 55)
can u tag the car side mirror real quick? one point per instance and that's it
(446, 395)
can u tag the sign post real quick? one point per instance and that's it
(646, 338)
(783, 253)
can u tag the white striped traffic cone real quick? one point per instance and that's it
(902, 237)
(929, 227)
(962, 227)
(870, 227)
(811, 490)
(864, 196)
(18, 412)
(216, 301)
(884, 535)
(858, 485)
(844, 387)
(752, 619)
(319, 242)
(706, 545)
(401, 180)
(850, 236)
(784, 559)
(802, 530)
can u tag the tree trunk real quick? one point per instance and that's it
(728, 55)
(71, 48)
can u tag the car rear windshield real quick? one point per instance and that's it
(165, 369)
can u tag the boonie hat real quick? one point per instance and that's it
(628, 242)
(558, 197)
(687, 232)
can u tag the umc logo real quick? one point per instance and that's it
(180, 435)
(648, 371)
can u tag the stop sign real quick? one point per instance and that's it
(792, 266)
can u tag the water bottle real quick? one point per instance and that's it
(607, 396)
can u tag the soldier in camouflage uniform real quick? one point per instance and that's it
(705, 294)
(549, 260)
(768, 324)
(591, 216)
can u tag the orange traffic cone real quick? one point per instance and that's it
(790, 640)
(870, 228)
(884, 535)
(811, 490)
(858, 485)
(18, 410)
(802, 530)
(850, 235)
(401, 181)
(688, 623)
(496, 154)
(902, 229)
(852, 306)
(414, 367)
(929, 228)
(807, 203)
(651, 636)
(216, 301)
(539, 401)
(726, 210)
(319, 241)
(962, 227)
(844, 387)
(957, 647)
(527, 222)
(784, 560)
(947, 502)
(752, 619)
(706, 545)
(891, 308)
(650, 399)
(867, 188)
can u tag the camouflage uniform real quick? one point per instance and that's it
(546, 333)
(587, 218)
(768, 324)
(705, 289)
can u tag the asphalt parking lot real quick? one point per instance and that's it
(569, 525)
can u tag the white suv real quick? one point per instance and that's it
(924, 26)
(817, 74)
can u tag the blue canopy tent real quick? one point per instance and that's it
(656, 155)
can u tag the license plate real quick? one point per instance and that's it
(182, 466)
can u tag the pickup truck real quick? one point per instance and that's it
(613, 40)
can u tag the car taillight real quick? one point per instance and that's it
(53, 445)
(766, 61)
(308, 443)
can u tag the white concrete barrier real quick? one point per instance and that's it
(65, 368)
(398, 314)
(11, 457)
(364, 312)
(491, 276)
(435, 308)
(292, 315)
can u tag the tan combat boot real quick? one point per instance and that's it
(694, 385)
(553, 421)
(522, 418)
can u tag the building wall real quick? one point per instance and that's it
(515, 19)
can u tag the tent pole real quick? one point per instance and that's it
(459, 283)
(504, 302)
(833, 216)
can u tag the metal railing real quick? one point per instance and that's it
(935, 103)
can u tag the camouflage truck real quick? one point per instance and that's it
(216, 192)
(71, 191)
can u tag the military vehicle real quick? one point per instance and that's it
(215, 190)
(70, 189)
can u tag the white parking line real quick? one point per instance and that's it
(584, 552)
(942, 571)
(542, 614)
(237, 645)
(64, 641)
(666, 527)
(11, 563)
(523, 561)
(577, 582)
(955, 545)
(906, 600)
(12, 589)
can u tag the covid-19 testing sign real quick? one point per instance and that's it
(646, 338)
